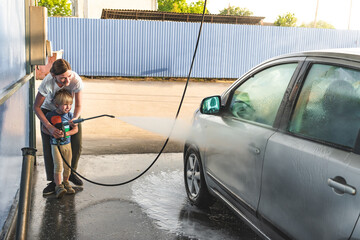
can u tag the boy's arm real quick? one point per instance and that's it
(73, 127)
(73, 131)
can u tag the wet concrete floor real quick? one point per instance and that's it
(153, 207)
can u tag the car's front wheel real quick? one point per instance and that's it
(195, 184)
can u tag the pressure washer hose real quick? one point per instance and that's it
(172, 128)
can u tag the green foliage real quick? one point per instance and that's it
(181, 6)
(319, 24)
(197, 7)
(232, 10)
(56, 8)
(286, 20)
(172, 5)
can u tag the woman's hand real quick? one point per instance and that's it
(56, 133)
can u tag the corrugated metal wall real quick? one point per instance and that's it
(14, 112)
(106, 47)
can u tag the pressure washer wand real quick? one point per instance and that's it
(85, 119)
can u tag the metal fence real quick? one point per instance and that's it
(108, 47)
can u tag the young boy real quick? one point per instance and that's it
(63, 101)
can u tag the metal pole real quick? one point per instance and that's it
(350, 15)
(32, 122)
(25, 192)
(30, 69)
(316, 13)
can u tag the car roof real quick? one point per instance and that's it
(352, 54)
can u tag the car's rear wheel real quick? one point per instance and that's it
(195, 184)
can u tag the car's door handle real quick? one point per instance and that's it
(341, 187)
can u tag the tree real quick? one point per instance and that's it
(181, 6)
(286, 20)
(56, 8)
(197, 7)
(172, 5)
(232, 10)
(319, 24)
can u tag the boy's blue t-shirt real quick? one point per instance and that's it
(56, 119)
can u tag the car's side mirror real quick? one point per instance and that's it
(210, 105)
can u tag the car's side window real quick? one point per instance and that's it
(328, 107)
(258, 98)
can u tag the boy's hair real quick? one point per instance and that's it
(62, 97)
(60, 66)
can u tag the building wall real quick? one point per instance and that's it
(14, 112)
(93, 8)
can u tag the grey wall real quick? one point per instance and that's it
(14, 113)
(108, 47)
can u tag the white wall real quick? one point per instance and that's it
(93, 8)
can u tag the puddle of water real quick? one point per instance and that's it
(163, 198)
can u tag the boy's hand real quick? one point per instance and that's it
(73, 124)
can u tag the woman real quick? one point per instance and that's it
(60, 76)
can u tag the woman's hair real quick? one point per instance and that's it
(60, 66)
(62, 97)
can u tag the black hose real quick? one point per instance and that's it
(172, 128)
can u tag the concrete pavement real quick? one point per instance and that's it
(96, 212)
(154, 206)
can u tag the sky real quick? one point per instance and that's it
(335, 12)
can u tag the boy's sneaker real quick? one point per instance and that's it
(50, 189)
(60, 191)
(68, 187)
(75, 179)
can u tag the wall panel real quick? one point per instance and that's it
(108, 47)
(14, 112)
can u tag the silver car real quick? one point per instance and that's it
(281, 147)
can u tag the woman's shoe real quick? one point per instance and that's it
(75, 179)
(50, 189)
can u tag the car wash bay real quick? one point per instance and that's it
(154, 206)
